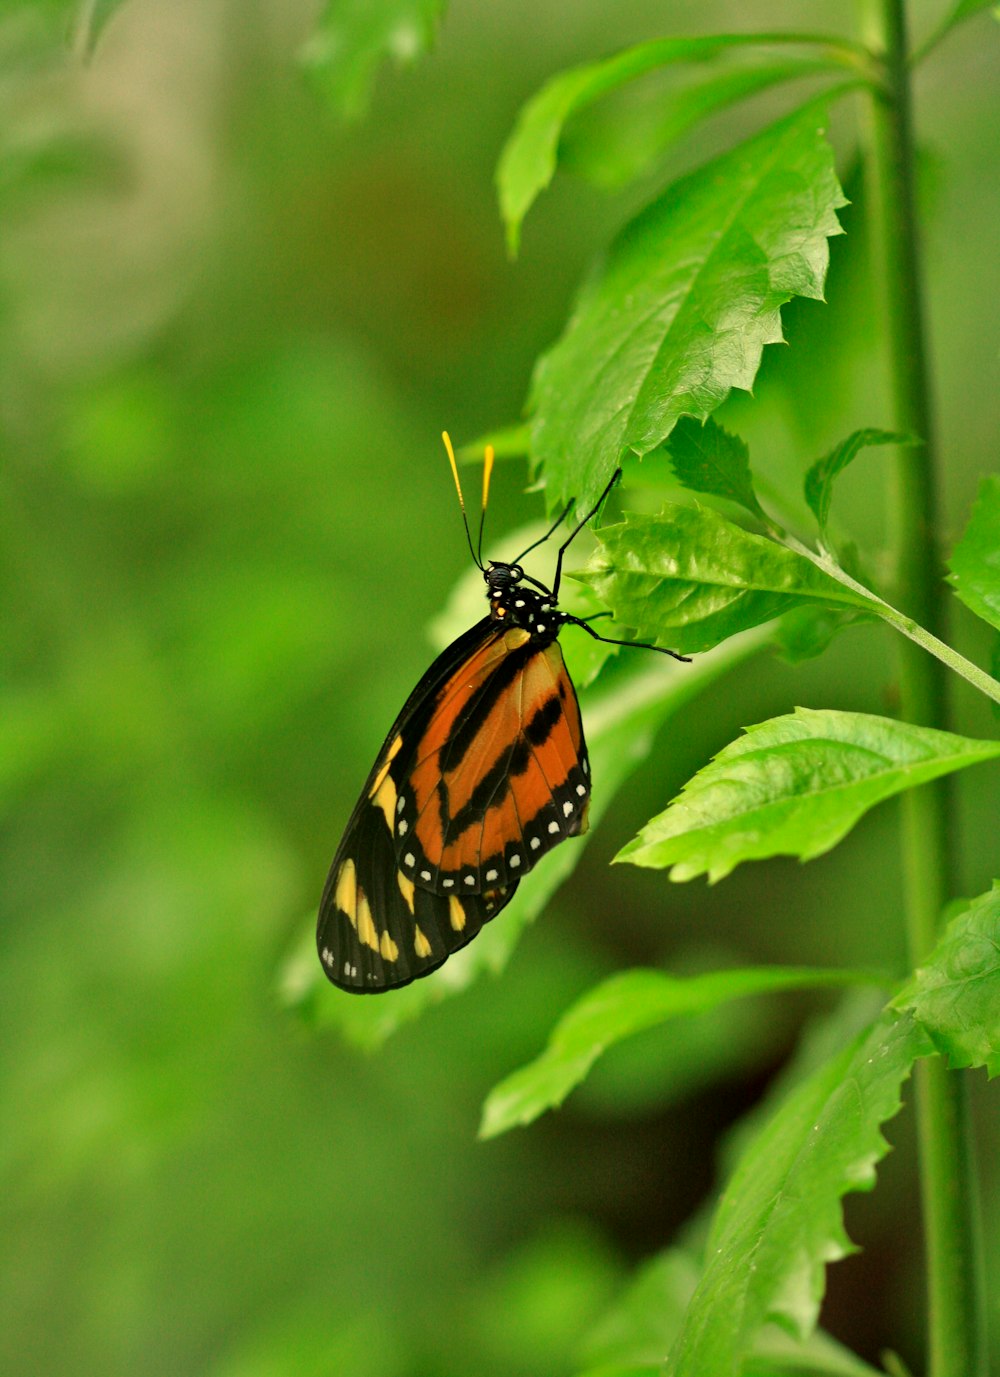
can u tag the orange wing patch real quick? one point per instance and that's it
(500, 773)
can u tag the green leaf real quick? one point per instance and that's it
(619, 1007)
(975, 561)
(629, 1370)
(794, 786)
(641, 1325)
(644, 1321)
(621, 721)
(966, 9)
(615, 142)
(91, 18)
(354, 37)
(528, 160)
(777, 1354)
(819, 479)
(708, 459)
(779, 1221)
(680, 309)
(688, 578)
(959, 13)
(956, 995)
(807, 631)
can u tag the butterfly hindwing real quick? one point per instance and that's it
(378, 930)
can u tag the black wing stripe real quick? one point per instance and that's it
(488, 674)
(539, 726)
(476, 713)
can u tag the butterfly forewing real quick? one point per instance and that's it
(484, 771)
(500, 774)
(503, 778)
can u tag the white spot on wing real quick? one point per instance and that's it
(567, 808)
(409, 858)
(553, 827)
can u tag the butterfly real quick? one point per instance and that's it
(483, 772)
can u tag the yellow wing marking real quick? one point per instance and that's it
(420, 943)
(456, 913)
(363, 922)
(388, 948)
(345, 895)
(385, 797)
(405, 888)
(377, 782)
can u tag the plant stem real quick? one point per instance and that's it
(977, 677)
(954, 1276)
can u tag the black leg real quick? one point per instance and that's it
(577, 529)
(636, 645)
(550, 532)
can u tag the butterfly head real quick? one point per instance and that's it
(501, 577)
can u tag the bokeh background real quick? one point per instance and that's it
(232, 327)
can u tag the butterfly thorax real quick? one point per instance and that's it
(515, 605)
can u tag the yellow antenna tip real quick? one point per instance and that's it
(454, 467)
(487, 473)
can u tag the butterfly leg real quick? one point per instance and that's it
(577, 529)
(550, 532)
(636, 645)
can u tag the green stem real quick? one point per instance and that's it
(954, 1275)
(917, 633)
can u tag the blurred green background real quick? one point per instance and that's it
(231, 330)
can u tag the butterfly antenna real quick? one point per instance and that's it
(488, 457)
(461, 500)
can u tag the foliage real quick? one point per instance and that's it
(678, 311)
(975, 563)
(778, 1223)
(795, 786)
(616, 1009)
(955, 994)
(819, 479)
(353, 37)
(690, 578)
